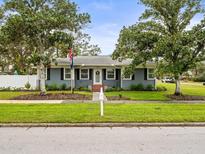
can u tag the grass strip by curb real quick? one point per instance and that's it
(114, 113)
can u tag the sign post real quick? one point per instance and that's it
(101, 98)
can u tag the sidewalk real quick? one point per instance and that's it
(92, 101)
(96, 97)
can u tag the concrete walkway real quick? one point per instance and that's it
(96, 96)
(95, 100)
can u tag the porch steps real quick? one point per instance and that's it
(96, 88)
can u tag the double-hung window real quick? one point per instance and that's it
(127, 77)
(67, 73)
(150, 74)
(110, 74)
(84, 74)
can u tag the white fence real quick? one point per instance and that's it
(18, 81)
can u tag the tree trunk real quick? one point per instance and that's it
(42, 80)
(178, 87)
(38, 77)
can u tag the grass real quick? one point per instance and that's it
(6, 95)
(194, 89)
(189, 88)
(83, 113)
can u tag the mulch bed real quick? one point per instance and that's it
(173, 97)
(116, 98)
(59, 96)
(186, 97)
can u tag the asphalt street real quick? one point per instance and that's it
(102, 140)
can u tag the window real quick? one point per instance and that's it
(127, 77)
(110, 74)
(84, 74)
(150, 74)
(67, 73)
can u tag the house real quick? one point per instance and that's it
(94, 72)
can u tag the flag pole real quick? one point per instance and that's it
(72, 70)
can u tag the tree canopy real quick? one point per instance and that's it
(163, 34)
(42, 28)
(35, 32)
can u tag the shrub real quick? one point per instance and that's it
(27, 85)
(133, 87)
(63, 87)
(138, 87)
(113, 89)
(150, 87)
(161, 88)
(52, 87)
(200, 78)
(110, 90)
(5, 89)
(83, 89)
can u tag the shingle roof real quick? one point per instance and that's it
(93, 61)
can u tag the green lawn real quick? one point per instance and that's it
(5, 95)
(187, 89)
(78, 113)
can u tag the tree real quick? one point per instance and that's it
(162, 35)
(80, 43)
(14, 42)
(38, 22)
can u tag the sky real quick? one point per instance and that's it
(108, 17)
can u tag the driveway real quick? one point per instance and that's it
(102, 140)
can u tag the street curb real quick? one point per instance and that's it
(103, 125)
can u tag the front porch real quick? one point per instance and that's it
(95, 78)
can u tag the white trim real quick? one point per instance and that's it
(88, 74)
(94, 73)
(46, 73)
(149, 73)
(64, 78)
(107, 74)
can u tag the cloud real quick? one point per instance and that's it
(105, 36)
(102, 6)
(193, 23)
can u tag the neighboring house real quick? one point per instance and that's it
(94, 72)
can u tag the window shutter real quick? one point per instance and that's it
(62, 73)
(78, 74)
(48, 73)
(145, 74)
(91, 74)
(104, 74)
(117, 74)
(133, 77)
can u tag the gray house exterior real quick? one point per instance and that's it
(94, 72)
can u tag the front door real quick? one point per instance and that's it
(97, 76)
